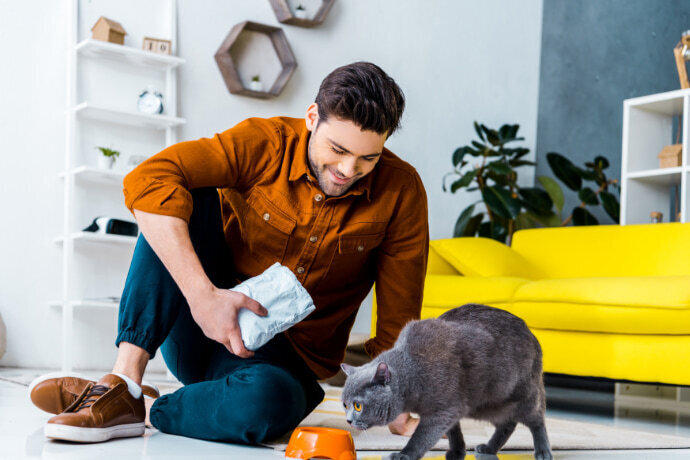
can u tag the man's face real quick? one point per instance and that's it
(340, 153)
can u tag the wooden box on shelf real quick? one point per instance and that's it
(671, 156)
(157, 45)
(108, 30)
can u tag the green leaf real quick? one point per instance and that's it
(552, 220)
(462, 221)
(588, 196)
(523, 221)
(536, 200)
(583, 217)
(586, 174)
(479, 131)
(501, 202)
(491, 135)
(459, 154)
(565, 170)
(518, 163)
(493, 230)
(464, 181)
(601, 162)
(611, 205)
(473, 225)
(499, 167)
(554, 190)
(521, 152)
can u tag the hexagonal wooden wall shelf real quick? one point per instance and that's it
(289, 12)
(252, 49)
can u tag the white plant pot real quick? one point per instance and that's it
(256, 86)
(105, 162)
(301, 14)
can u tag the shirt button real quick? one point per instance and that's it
(300, 270)
(267, 216)
(318, 197)
(314, 239)
(360, 248)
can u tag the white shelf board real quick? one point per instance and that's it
(120, 53)
(122, 117)
(85, 303)
(668, 176)
(92, 237)
(92, 174)
(668, 103)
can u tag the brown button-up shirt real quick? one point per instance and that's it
(274, 211)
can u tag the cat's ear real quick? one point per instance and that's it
(383, 375)
(347, 368)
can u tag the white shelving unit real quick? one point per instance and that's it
(98, 112)
(648, 126)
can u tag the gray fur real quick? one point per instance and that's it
(473, 361)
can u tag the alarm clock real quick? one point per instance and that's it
(150, 102)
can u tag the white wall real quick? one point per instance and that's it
(457, 61)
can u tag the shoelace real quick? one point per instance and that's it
(91, 397)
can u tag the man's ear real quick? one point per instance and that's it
(312, 116)
(346, 368)
(383, 375)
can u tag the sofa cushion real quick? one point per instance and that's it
(477, 256)
(634, 305)
(450, 291)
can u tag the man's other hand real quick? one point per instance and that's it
(216, 312)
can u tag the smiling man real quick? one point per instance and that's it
(322, 196)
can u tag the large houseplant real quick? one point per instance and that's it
(508, 206)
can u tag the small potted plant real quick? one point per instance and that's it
(108, 157)
(300, 12)
(255, 84)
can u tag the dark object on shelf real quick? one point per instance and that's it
(113, 226)
(228, 66)
(286, 15)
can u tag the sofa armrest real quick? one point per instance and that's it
(477, 256)
(437, 265)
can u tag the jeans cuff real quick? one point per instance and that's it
(137, 338)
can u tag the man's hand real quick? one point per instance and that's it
(404, 424)
(216, 311)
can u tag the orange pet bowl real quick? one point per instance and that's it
(318, 442)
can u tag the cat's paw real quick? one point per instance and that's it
(399, 456)
(455, 455)
(485, 449)
(543, 455)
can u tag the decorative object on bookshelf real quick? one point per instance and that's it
(671, 156)
(255, 84)
(112, 226)
(150, 101)
(108, 30)
(682, 54)
(157, 45)
(656, 217)
(299, 16)
(228, 62)
(108, 157)
(301, 12)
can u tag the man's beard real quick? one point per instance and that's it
(328, 187)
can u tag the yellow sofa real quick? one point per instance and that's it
(604, 301)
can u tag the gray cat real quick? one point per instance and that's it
(473, 361)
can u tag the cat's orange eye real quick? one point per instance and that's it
(358, 407)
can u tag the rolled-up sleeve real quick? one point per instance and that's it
(401, 267)
(234, 158)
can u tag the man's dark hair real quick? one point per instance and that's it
(363, 93)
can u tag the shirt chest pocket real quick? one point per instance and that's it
(267, 228)
(353, 260)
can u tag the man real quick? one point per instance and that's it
(322, 196)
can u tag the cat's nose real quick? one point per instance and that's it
(349, 420)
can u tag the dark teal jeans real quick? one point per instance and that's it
(224, 397)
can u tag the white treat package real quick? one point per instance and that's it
(286, 300)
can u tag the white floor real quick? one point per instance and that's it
(21, 432)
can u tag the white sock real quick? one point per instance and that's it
(134, 389)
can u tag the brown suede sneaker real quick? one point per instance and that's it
(102, 411)
(56, 391)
